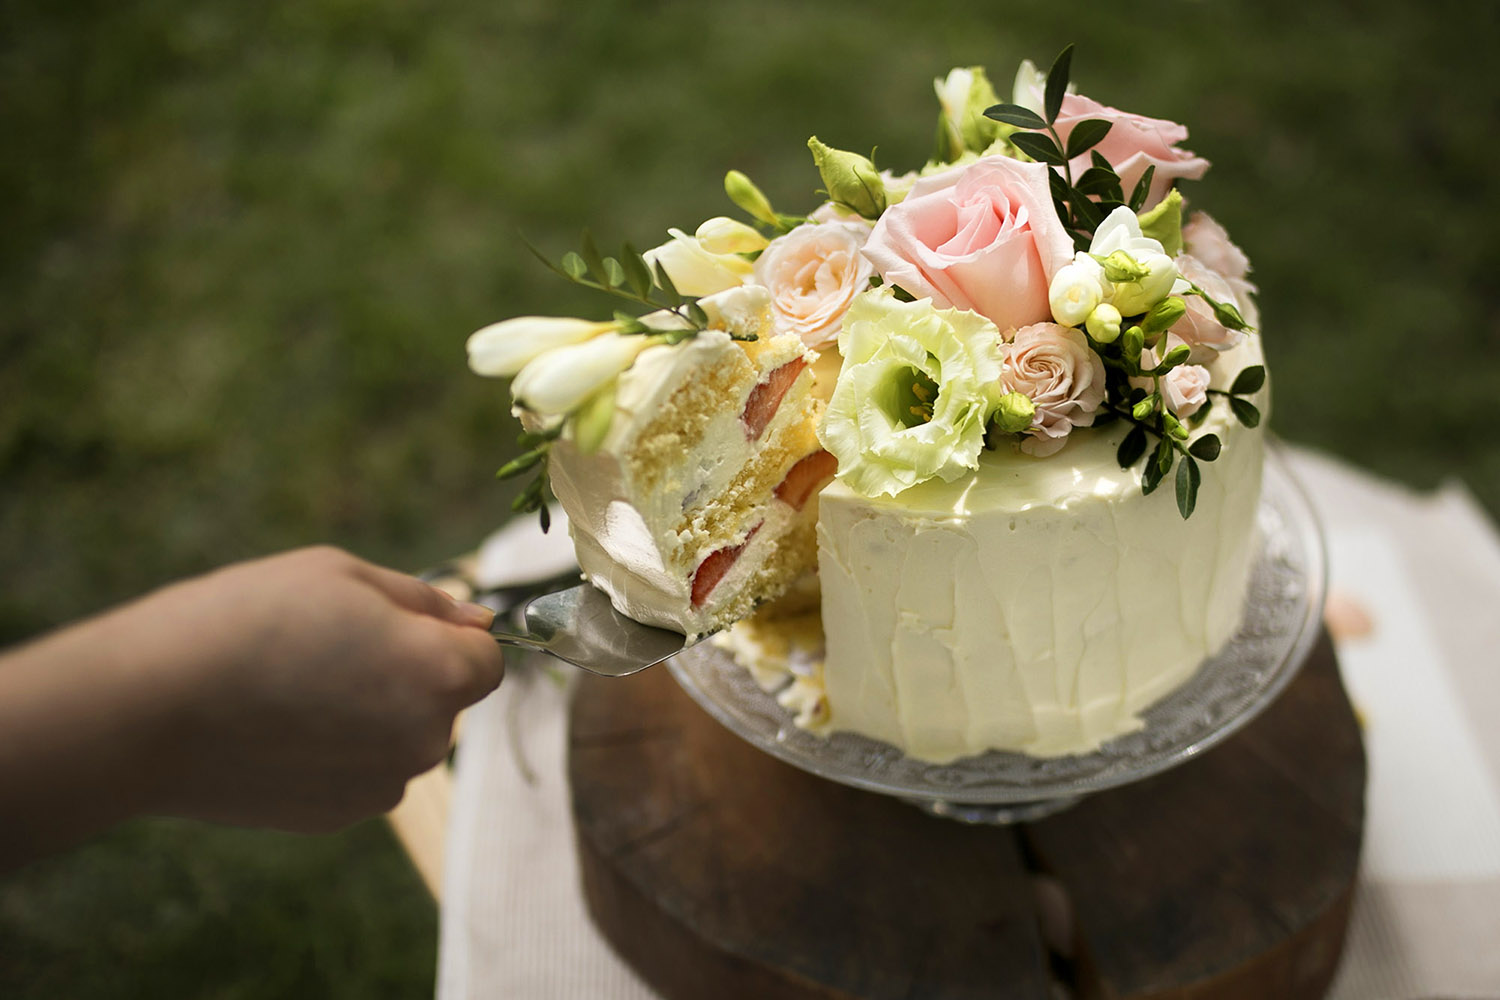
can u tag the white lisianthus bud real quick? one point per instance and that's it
(695, 270)
(502, 349)
(1104, 323)
(1075, 290)
(560, 381)
(724, 235)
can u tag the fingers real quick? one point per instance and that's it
(483, 666)
(414, 595)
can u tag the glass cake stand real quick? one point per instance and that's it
(1283, 605)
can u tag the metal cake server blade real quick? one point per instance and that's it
(580, 625)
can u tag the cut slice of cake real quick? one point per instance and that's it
(701, 500)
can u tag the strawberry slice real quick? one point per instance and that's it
(766, 397)
(806, 478)
(712, 569)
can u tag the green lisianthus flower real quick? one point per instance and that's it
(917, 387)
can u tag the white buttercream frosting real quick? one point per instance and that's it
(1037, 605)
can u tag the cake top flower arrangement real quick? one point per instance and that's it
(1035, 277)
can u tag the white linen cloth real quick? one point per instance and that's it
(1424, 679)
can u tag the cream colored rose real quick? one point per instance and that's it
(1054, 367)
(813, 273)
(1210, 245)
(1185, 389)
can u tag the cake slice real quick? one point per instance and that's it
(702, 499)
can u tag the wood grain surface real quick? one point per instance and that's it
(720, 872)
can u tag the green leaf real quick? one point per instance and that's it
(1244, 411)
(1097, 181)
(614, 274)
(1015, 114)
(697, 315)
(1098, 160)
(1187, 487)
(1058, 186)
(1248, 380)
(1165, 455)
(664, 282)
(573, 265)
(1132, 448)
(590, 253)
(1085, 212)
(1086, 135)
(1057, 83)
(1039, 147)
(1152, 475)
(1207, 447)
(1142, 189)
(636, 271)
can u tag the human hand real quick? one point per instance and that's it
(301, 691)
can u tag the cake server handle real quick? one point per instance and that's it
(580, 625)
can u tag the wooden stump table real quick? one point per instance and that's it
(719, 872)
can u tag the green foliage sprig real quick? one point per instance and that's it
(533, 496)
(1081, 203)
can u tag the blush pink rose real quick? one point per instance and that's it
(1185, 389)
(982, 237)
(1054, 367)
(1198, 325)
(813, 273)
(1134, 143)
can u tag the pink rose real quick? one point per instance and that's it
(1198, 325)
(983, 237)
(1064, 379)
(1207, 241)
(1185, 389)
(1134, 143)
(813, 273)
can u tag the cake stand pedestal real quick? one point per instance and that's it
(717, 871)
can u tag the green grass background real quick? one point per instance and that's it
(243, 244)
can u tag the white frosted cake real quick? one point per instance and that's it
(1032, 605)
(1034, 375)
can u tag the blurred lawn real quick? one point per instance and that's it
(243, 244)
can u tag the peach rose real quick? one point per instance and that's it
(813, 273)
(983, 237)
(1198, 325)
(1185, 389)
(1054, 367)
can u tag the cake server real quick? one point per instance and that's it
(580, 625)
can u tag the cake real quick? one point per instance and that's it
(997, 360)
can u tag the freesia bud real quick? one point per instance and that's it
(1104, 323)
(1014, 412)
(559, 381)
(591, 422)
(1120, 266)
(1163, 315)
(694, 269)
(743, 192)
(849, 179)
(721, 235)
(1075, 291)
(502, 349)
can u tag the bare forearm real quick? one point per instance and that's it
(84, 730)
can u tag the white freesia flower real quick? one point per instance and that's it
(1121, 231)
(918, 385)
(723, 235)
(1076, 289)
(559, 381)
(502, 349)
(693, 269)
